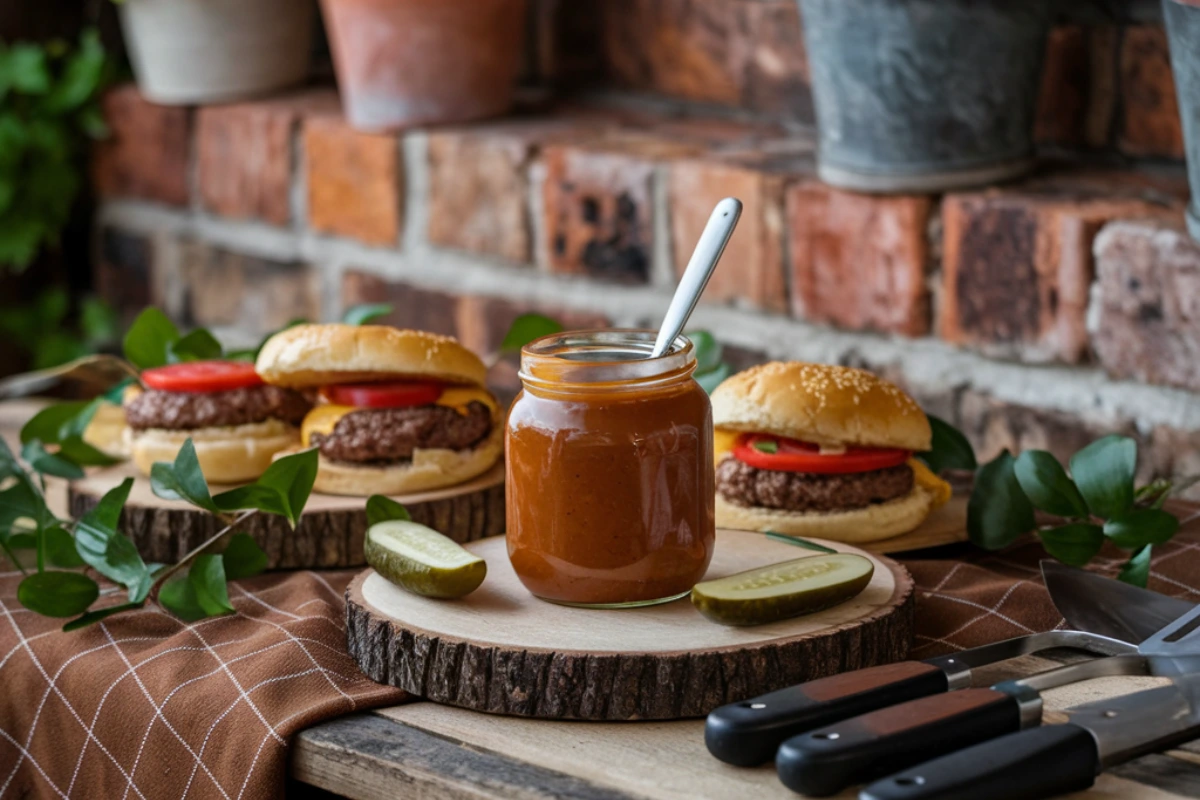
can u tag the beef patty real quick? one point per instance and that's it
(381, 435)
(178, 411)
(744, 485)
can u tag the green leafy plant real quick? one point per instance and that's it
(48, 111)
(1094, 500)
(51, 335)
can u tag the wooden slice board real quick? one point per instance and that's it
(503, 651)
(946, 525)
(330, 533)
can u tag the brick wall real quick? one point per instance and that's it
(1038, 314)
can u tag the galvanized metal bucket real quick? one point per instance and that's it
(1183, 27)
(925, 95)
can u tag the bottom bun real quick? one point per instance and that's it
(870, 524)
(429, 469)
(233, 454)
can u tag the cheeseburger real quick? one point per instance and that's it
(815, 450)
(398, 411)
(236, 422)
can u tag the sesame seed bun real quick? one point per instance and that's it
(308, 356)
(822, 404)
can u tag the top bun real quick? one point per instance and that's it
(822, 404)
(319, 355)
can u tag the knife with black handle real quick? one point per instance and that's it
(749, 733)
(1047, 761)
(825, 761)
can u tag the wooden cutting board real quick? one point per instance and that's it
(330, 533)
(502, 650)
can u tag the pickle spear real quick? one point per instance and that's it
(422, 560)
(784, 590)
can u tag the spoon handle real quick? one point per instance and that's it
(704, 260)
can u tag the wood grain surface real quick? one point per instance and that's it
(330, 533)
(502, 650)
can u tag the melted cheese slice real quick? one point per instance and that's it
(925, 478)
(324, 418)
(723, 442)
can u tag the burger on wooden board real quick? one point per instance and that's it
(235, 420)
(399, 411)
(821, 451)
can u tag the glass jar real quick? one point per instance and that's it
(610, 484)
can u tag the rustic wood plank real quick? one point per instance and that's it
(504, 651)
(367, 757)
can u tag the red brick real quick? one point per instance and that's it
(245, 153)
(255, 295)
(354, 181)
(748, 54)
(414, 307)
(483, 321)
(1078, 96)
(479, 185)
(1017, 265)
(146, 153)
(1148, 303)
(598, 206)
(858, 261)
(752, 270)
(1150, 124)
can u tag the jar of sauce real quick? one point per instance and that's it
(610, 483)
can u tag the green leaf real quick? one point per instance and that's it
(116, 394)
(60, 548)
(708, 351)
(98, 321)
(367, 312)
(47, 424)
(179, 597)
(48, 463)
(1136, 570)
(207, 577)
(1141, 527)
(198, 345)
(57, 594)
(527, 328)
(998, 511)
(949, 449)
(26, 68)
(798, 542)
(382, 509)
(1046, 484)
(112, 554)
(148, 341)
(183, 480)
(1104, 472)
(76, 450)
(24, 500)
(712, 379)
(243, 557)
(768, 446)
(1075, 544)
(81, 77)
(290, 478)
(92, 617)
(21, 238)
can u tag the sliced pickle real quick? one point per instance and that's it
(422, 560)
(784, 590)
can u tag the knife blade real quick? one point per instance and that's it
(1091, 602)
(1046, 761)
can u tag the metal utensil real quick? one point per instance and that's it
(699, 269)
(827, 760)
(1056, 759)
(1091, 602)
(749, 733)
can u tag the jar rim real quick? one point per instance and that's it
(613, 356)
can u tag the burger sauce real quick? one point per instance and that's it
(610, 485)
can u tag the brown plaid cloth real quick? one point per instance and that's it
(145, 706)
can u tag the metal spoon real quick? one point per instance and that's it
(704, 260)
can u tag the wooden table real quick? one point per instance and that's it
(439, 753)
(434, 752)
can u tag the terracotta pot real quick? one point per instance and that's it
(925, 95)
(205, 51)
(1183, 27)
(402, 63)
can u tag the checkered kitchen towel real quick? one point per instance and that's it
(145, 706)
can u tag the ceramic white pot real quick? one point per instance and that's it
(204, 51)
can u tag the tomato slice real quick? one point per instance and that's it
(393, 394)
(202, 376)
(791, 455)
